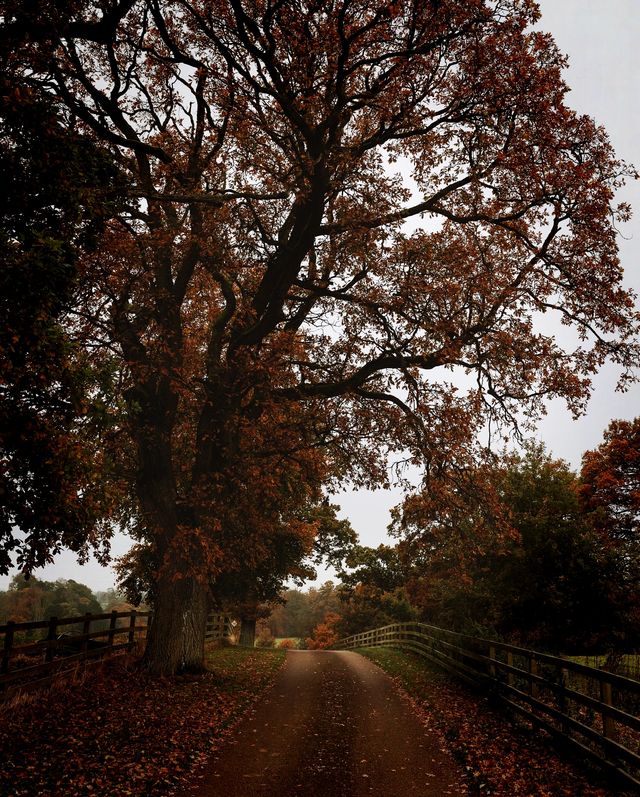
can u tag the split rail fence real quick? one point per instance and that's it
(591, 710)
(33, 653)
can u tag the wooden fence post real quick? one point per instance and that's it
(563, 703)
(8, 644)
(112, 627)
(492, 656)
(609, 730)
(132, 628)
(86, 628)
(534, 686)
(51, 638)
(510, 678)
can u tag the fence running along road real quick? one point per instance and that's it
(33, 653)
(594, 711)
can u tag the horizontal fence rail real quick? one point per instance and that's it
(33, 653)
(594, 711)
(219, 626)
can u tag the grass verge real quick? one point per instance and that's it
(500, 757)
(122, 733)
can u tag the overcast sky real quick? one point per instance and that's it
(602, 41)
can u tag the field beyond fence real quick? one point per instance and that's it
(618, 663)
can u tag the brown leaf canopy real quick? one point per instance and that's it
(334, 205)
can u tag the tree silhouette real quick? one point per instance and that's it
(277, 269)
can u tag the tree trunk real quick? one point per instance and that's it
(247, 632)
(175, 642)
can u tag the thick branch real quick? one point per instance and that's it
(352, 383)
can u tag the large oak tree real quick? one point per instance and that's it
(336, 204)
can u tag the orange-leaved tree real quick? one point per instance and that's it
(325, 634)
(610, 494)
(610, 479)
(276, 261)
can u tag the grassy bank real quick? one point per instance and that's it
(500, 758)
(118, 732)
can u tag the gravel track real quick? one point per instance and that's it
(333, 725)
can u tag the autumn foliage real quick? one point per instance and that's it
(59, 188)
(505, 549)
(278, 305)
(611, 483)
(325, 634)
(610, 495)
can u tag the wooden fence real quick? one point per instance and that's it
(33, 653)
(593, 711)
(219, 626)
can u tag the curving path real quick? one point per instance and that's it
(333, 725)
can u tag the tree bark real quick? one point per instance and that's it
(247, 632)
(175, 642)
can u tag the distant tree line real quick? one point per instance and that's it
(300, 612)
(521, 549)
(29, 600)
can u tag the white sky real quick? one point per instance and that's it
(603, 44)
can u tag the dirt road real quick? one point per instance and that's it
(332, 726)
